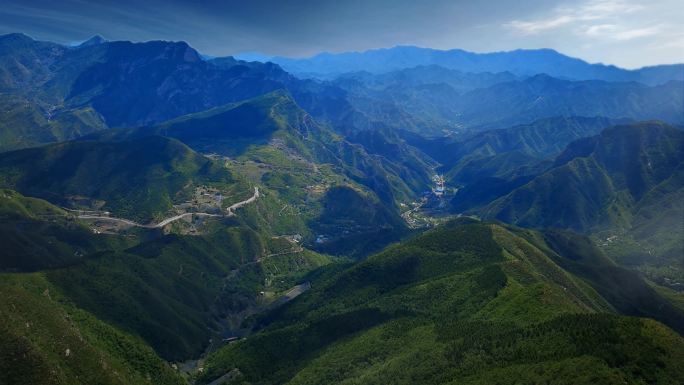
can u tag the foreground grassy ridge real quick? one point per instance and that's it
(165, 290)
(468, 303)
(168, 290)
(45, 339)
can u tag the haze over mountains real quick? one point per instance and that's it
(403, 215)
(519, 62)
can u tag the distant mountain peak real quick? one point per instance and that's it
(190, 55)
(95, 40)
(520, 62)
(16, 37)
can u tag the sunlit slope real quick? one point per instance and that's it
(304, 166)
(624, 185)
(139, 179)
(465, 303)
(169, 290)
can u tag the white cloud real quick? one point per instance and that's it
(630, 33)
(531, 27)
(603, 8)
(600, 29)
(616, 32)
(593, 10)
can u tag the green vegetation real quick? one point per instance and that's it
(490, 164)
(624, 186)
(24, 124)
(139, 179)
(45, 339)
(303, 165)
(347, 210)
(625, 289)
(467, 302)
(169, 290)
(37, 235)
(163, 290)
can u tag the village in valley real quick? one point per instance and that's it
(431, 209)
(205, 203)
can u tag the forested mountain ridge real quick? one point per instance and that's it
(461, 291)
(623, 185)
(169, 217)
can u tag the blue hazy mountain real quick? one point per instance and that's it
(340, 163)
(432, 99)
(520, 62)
(95, 40)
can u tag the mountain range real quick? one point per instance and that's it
(469, 302)
(626, 180)
(403, 215)
(520, 62)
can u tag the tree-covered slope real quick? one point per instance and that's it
(37, 235)
(172, 291)
(539, 139)
(489, 164)
(138, 179)
(599, 181)
(302, 162)
(25, 123)
(45, 339)
(275, 122)
(624, 186)
(467, 303)
(366, 224)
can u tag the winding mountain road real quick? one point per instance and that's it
(230, 212)
(232, 208)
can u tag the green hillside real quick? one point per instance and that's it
(507, 154)
(301, 164)
(373, 225)
(174, 292)
(623, 185)
(490, 164)
(465, 303)
(45, 339)
(273, 129)
(37, 235)
(171, 218)
(139, 179)
(539, 139)
(25, 123)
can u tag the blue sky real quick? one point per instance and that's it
(627, 33)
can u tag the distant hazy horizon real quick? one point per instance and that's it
(263, 57)
(625, 33)
(259, 56)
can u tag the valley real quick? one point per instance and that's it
(395, 216)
